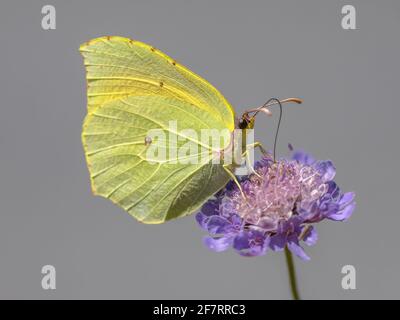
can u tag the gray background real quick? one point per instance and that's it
(251, 51)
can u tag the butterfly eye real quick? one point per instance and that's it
(243, 123)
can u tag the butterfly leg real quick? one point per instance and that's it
(232, 175)
(259, 145)
(249, 166)
(247, 155)
(227, 167)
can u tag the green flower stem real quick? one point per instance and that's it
(292, 274)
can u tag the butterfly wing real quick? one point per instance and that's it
(118, 67)
(125, 101)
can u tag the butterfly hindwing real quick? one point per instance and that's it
(121, 169)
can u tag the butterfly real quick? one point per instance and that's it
(133, 88)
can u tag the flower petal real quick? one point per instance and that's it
(251, 243)
(202, 219)
(343, 214)
(268, 223)
(278, 242)
(333, 189)
(210, 208)
(298, 250)
(227, 208)
(346, 198)
(326, 169)
(329, 208)
(311, 236)
(218, 225)
(303, 157)
(217, 244)
(265, 161)
(236, 223)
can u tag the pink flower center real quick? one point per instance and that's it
(274, 195)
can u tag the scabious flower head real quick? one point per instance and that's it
(282, 201)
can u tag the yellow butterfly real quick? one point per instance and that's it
(133, 88)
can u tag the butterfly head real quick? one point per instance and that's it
(246, 122)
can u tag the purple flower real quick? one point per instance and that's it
(281, 203)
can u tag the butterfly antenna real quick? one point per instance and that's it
(264, 108)
(277, 128)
